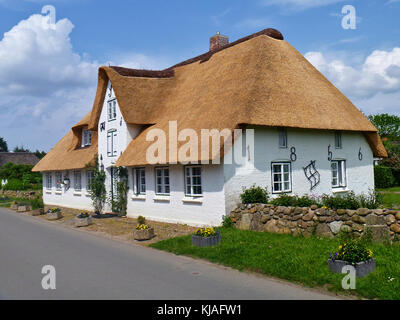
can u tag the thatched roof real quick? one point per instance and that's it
(258, 80)
(18, 158)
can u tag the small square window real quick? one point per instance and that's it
(193, 181)
(281, 177)
(162, 181)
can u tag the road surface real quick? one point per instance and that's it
(92, 267)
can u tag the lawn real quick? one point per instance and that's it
(297, 259)
(391, 197)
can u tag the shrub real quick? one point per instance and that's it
(294, 201)
(15, 185)
(36, 203)
(227, 222)
(383, 177)
(254, 195)
(372, 200)
(141, 220)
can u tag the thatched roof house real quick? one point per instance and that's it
(18, 158)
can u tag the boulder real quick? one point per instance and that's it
(345, 228)
(335, 226)
(245, 222)
(395, 227)
(323, 230)
(271, 226)
(398, 215)
(390, 219)
(373, 220)
(314, 207)
(378, 233)
(363, 211)
(341, 211)
(309, 216)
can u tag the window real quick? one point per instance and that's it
(282, 138)
(111, 143)
(139, 181)
(338, 173)
(58, 181)
(77, 181)
(49, 181)
(89, 180)
(281, 177)
(193, 181)
(112, 110)
(338, 140)
(86, 138)
(162, 181)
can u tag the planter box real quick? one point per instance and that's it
(83, 222)
(203, 242)
(23, 208)
(54, 215)
(14, 207)
(143, 235)
(362, 268)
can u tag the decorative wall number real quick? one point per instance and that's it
(293, 155)
(102, 126)
(360, 155)
(110, 91)
(312, 174)
(330, 154)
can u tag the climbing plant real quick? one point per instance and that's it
(119, 198)
(98, 192)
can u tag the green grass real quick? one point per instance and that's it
(5, 202)
(391, 200)
(297, 259)
(394, 189)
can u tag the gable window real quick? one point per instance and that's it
(281, 177)
(77, 181)
(282, 138)
(193, 181)
(112, 110)
(86, 138)
(111, 143)
(139, 181)
(338, 140)
(49, 181)
(162, 181)
(338, 173)
(58, 181)
(89, 180)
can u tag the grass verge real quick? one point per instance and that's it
(297, 259)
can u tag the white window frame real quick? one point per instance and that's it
(339, 179)
(189, 181)
(89, 179)
(163, 183)
(58, 177)
(338, 140)
(139, 180)
(282, 181)
(49, 180)
(111, 138)
(112, 109)
(77, 186)
(86, 138)
(283, 141)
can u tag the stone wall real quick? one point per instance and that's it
(21, 194)
(382, 224)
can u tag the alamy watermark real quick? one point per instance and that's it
(49, 280)
(349, 281)
(349, 21)
(50, 13)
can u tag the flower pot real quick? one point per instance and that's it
(23, 208)
(362, 268)
(143, 235)
(203, 242)
(14, 206)
(83, 222)
(54, 215)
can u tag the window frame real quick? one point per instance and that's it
(282, 132)
(338, 140)
(75, 181)
(58, 183)
(163, 184)
(281, 163)
(112, 134)
(137, 183)
(341, 173)
(112, 109)
(89, 179)
(86, 138)
(192, 194)
(49, 180)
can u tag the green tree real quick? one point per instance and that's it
(39, 154)
(98, 192)
(3, 145)
(20, 149)
(388, 125)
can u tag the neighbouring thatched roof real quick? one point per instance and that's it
(18, 158)
(258, 80)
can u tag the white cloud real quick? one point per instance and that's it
(46, 86)
(301, 4)
(376, 79)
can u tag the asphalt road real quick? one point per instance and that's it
(92, 267)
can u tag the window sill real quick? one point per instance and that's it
(139, 197)
(162, 198)
(58, 192)
(192, 200)
(340, 190)
(87, 195)
(48, 192)
(78, 194)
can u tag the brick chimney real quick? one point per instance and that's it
(218, 41)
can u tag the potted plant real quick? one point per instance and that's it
(353, 253)
(54, 214)
(206, 237)
(83, 220)
(143, 231)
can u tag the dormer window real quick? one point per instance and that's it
(112, 110)
(86, 138)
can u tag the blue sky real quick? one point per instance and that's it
(49, 76)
